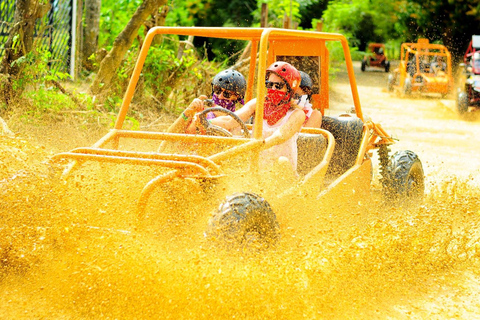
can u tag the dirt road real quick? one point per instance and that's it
(428, 125)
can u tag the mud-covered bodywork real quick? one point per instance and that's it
(335, 166)
(424, 68)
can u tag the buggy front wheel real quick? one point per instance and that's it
(244, 220)
(462, 103)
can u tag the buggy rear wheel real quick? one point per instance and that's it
(403, 179)
(387, 66)
(390, 82)
(244, 220)
(462, 103)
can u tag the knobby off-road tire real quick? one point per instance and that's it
(407, 88)
(244, 220)
(403, 180)
(390, 82)
(364, 65)
(462, 103)
(387, 66)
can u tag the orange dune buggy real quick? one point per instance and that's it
(424, 68)
(376, 58)
(334, 162)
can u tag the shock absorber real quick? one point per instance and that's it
(383, 151)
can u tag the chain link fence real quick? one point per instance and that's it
(54, 31)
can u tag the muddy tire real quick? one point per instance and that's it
(364, 64)
(403, 180)
(387, 66)
(390, 82)
(407, 88)
(462, 103)
(244, 220)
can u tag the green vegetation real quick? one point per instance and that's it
(168, 77)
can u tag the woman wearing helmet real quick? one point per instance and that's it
(303, 95)
(228, 89)
(282, 118)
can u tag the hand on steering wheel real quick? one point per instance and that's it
(215, 130)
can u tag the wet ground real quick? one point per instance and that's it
(67, 254)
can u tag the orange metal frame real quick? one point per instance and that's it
(269, 43)
(424, 48)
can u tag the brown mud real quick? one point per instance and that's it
(69, 251)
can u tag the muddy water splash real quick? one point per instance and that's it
(76, 252)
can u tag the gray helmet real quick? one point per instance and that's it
(231, 80)
(306, 80)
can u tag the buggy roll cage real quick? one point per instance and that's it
(269, 43)
(424, 48)
(473, 46)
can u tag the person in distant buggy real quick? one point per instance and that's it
(412, 65)
(379, 55)
(474, 66)
(438, 66)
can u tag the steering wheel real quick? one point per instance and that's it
(215, 130)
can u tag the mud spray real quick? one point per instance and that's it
(77, 251)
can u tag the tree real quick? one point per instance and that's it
(362, 21)
(122, 44)
(20, 40)
(452, 22)
(91, 31)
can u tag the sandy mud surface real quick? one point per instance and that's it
(70, 252)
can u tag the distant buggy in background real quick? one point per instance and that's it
(424, 68)
(468, 97)
(376, 57)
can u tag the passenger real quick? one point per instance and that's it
(228, 90)
(303, 96)
(438, 65)
(282, 118)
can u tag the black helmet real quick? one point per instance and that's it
(231, 80)
(306, 80)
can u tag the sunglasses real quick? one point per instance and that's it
(226, 94)
(276, 85)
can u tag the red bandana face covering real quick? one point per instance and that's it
(276, 106)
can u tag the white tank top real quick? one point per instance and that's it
(287, 149)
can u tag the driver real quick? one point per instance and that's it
(282, 118)
(228, 90)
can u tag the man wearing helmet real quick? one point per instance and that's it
(228, 89)
(303, 96)
(282, 118)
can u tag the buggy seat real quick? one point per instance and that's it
(347, 131)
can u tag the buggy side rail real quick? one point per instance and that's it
(142, 158)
